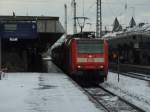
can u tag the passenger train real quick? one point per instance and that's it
(131, 46)
(82, 55)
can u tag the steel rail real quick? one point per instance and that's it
(100, 103)
(122, 99)
(134, 75)
(106, 108)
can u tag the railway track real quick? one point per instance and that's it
(130, 68)
(145, 77)
(136, 75)
(111, 102)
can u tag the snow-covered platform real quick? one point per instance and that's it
(42, 92)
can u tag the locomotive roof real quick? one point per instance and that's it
(84, 35)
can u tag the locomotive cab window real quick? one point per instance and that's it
(90, 46)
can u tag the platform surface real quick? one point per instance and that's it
(42, 92)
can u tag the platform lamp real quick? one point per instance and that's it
(81, 22)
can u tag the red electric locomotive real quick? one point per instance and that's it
(83, 55)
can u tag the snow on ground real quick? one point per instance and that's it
(42, 92)
(134, 90)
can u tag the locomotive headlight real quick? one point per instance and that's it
(79, 66)
(90, 56)
(101, 67)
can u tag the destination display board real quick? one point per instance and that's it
(18, 29)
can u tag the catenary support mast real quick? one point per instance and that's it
(99, 20)
(65, 19)
(74, 17)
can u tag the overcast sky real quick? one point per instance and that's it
(140, 9)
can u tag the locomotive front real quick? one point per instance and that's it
(90, 56)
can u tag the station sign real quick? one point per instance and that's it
(18, 29)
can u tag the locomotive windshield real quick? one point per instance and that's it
(90, 46)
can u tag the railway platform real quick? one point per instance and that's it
(43, 92)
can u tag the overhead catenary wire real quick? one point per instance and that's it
(111, 10)
(104, 2)
(131, 4)
(83, 6)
